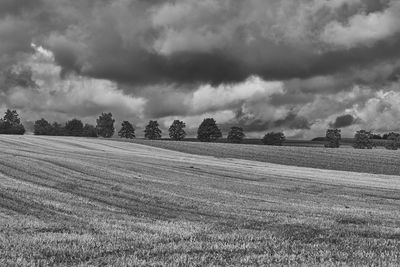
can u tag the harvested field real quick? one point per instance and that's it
(75, 201)
(378, 161)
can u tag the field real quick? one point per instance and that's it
(76, 201)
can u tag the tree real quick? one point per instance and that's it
(18, 129)
(333, 136)
(274, 139)
(362, 140)
(74, 127)
(127, 130)
(393, 141)
(57, 129)
(89, 131)
(105, 125)
(208, 131)
(11, 117)
(42, 127)
(152, 131)
(176, 131)
(236, 135)
(11, 124)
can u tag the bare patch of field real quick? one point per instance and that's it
(71, 201)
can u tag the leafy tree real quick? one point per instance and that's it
(362, 140)
(333, 136)
(127, 130)
(393, 142)
(176, 131)
(74, 127)
(57, 129)
(89, 131)
(42, 127)
(236, 135)
(152, 131)
(12, 117)
(274, 139)
(208, 131)
(5, 127)
(11, 124)
(18, 129)
(105, 125)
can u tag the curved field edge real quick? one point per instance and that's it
(72, 201)
(377, 161)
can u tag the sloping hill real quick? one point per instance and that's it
(379, 161)
(71, 201)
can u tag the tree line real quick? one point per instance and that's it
(363, 139)
(208, 131)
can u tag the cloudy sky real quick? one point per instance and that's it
(300, 66)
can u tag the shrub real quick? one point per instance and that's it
(74, 127)
(57, 129)
(333, 136)
(42, 127)
(362, 140)
(393, 142)
(105, 125)
(152, 131)
(89, 131)
(274, 139)
(208, 131)
(176, 131)
(127, 130)
(236, 135)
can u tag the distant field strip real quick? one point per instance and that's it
(379, 161)
(77, 201)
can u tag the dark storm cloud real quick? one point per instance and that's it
(343, 121)
(140, 42)
(15, 7)
(291, 121)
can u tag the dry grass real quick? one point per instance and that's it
(69, 201)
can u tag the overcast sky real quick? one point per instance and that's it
(299, 66)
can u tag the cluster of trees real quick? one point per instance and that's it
(208, 131)
(363, 139)
(75, 127)
(11, 123)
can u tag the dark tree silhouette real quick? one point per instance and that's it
(376, 136)
(11, 124)
(89, 131)
(236, 135)
(74, 127)
(105, 125)
(127, 130)
(208, 131)
(363, 140)
(12, 117)
(152, 131)
(393, 141)
(274, 139)
(333, 136)
(42, 127)
(176, 130)
(57, 129)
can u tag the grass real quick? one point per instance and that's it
(70, 201)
